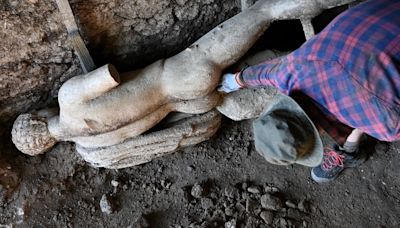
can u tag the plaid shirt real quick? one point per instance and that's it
(349, 73)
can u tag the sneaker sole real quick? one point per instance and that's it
(321, 180)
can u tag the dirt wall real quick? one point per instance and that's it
(35, 57)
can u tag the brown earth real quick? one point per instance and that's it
(218, 183)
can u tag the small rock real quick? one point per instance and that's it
(229, 211)
(302, 205)
(245, 195)
(231, 224)
(206, 203)
(253, 189)
(251, 222)
(267, 217)
(217, 214)
(244, 186)
(305, 224)
(2, 195)
(372, 187)
(226, 204)
(20, 215)
(213, 195)
(270, 189)
(231, 192)
(190, 168)
(282, 222)
(294, 214)
(106, 205)
(165, 184)
(239, 207)
(186, 194)
(290, 204)
(114, 183)
(271, 202)
(250, 205)
(197, 191)
(313, 209)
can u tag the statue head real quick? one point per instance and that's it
(31, 135)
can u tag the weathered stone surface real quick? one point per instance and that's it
(206, 203)
(267, 217)
(246, 4)
(231, 224)
(136, 128)
(251, 205)
(231, 192)
(197, 191)
(146, 147)
(246, 103)
(271, 202)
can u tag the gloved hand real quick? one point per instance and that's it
(230, 82)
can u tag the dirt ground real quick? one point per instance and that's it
(223, 182)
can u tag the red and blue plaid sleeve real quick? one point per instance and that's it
(350, 71)
(301, 79)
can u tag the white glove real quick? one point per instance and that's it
(230, 82)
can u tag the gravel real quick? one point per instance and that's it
(267, 217)
(106, 205)
(253, 189)
(271, 202)
(197, 191)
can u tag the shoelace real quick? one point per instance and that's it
(332, 159)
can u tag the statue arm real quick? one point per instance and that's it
(83, 88)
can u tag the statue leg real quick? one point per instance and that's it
(196, 71)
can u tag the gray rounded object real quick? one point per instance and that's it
(31, 135)
(247, 103)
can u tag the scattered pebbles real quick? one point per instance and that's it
(245, 205)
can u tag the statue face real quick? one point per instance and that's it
(31, 135)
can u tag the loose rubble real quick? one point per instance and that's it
(106, 205)
(197, 191)
(244, 205)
